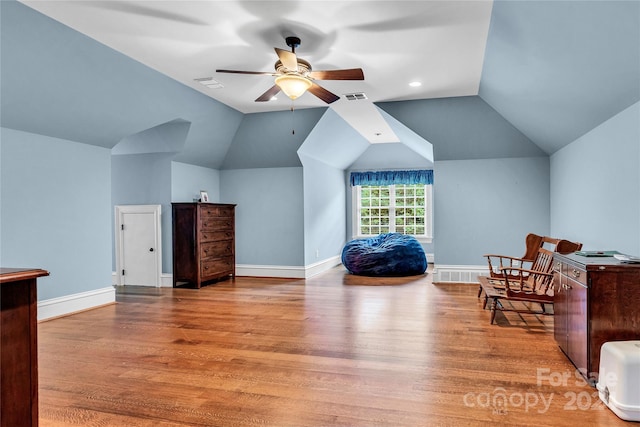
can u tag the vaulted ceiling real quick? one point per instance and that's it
(553, 69)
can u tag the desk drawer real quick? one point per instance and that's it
(576, 274)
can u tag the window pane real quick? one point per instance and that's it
(409, 215)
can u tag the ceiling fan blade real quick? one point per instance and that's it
(350, 74)
(323, 94)
(264, 73)
(269, 94)
(288, 59)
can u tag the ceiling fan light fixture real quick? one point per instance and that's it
(293, 85)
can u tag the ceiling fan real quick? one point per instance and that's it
(294, 76)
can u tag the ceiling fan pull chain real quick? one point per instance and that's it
(293, 131)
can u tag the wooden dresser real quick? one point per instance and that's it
(203, 242)
(19, 347)
(596, 299)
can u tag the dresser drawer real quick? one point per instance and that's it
(213, 267)
(216, 224)
(214, 236)
(216, 211)
(216, 249)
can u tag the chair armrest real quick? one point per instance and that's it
(505, 257)
(521, 270)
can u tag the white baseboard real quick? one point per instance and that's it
(287, 271)
(166, 280)
(459, 273)
(68, 304)
(322, 266)
(282, 271)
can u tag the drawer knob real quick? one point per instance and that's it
(575, 273)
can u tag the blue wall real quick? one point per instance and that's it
(188, 180)
(324, 207)
(269, 214)
(462, 128)
(595, 186)
(488, 206)
(145, 179)
(266, 140)
(55, 211)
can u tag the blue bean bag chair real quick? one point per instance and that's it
(391, 254)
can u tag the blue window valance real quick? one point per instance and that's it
(392, 177)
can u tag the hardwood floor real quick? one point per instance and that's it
(334, 350)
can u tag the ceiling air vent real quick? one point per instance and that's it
(209, 82)
(355, 96)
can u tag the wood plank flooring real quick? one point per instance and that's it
(334, 350)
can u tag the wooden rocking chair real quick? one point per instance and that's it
(520, 285)
(531, 260)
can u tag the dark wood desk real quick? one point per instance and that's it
(596, 299)
(19, 347)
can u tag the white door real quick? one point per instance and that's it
(139, 246)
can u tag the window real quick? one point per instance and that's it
(395, 208)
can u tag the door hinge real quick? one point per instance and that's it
(121, 226)
(123, 272)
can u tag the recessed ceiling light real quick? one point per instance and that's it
(415, 84)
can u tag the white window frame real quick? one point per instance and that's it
(356, 209)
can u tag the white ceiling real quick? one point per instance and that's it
(438, 43)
